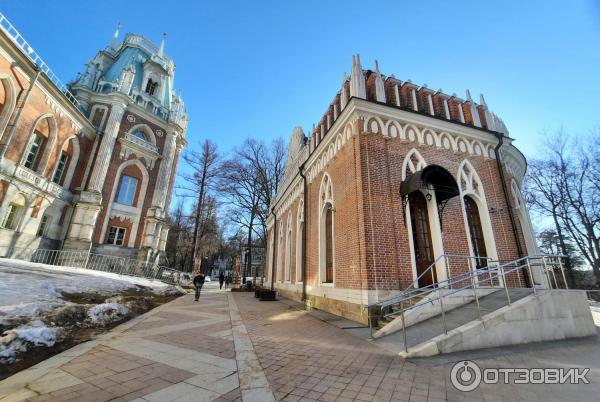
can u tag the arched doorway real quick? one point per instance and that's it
(422, 244)
(425, 191)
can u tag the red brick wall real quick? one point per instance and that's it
(371, 237)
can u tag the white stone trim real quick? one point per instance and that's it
(95, 108)
(10, 101)
(72, 163)
(470, 185)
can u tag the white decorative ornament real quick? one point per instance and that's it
(159, 133)
(131, 118)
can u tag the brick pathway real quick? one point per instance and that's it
(307, 359)
(231, 347)
(181, 351)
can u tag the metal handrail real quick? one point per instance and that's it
(492, 273)
(414, 288)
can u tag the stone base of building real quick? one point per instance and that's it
(342, 308)
(13, 243)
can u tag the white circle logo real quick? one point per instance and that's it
(465, 375)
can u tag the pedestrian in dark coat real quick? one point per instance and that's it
(198, 283)
(221, 280)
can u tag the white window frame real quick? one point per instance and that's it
(118, 229)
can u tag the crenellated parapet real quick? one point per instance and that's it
(374, 86)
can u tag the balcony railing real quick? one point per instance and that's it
(34, 56)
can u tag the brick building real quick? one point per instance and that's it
(89, 166)
(395, 178)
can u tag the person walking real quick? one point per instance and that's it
(227, 281)
(221, 280)
(198, 282)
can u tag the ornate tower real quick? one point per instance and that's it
(127, 91)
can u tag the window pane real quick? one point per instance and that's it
(140, 134)
(60, 168)
(34, 147)
(12, 215)
(329, 245)
(43, 225)
(127, 190)
(120, 236)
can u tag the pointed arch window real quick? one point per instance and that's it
(60, 168)
(140, 134)
(476, 232)
(33, 151)
(328, 244)
(326, 232)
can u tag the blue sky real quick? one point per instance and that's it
(259, 68)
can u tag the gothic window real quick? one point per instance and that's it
(299, 230)
(279, 255)
(326, 239)
(116, 236)
(476, 232)
(33, 151)
(44, 224)
(127, 190)
(13, 214)
(60, 168)
(328, 244)
(288, 248)
(151, 87)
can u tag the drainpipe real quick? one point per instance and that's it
(304, 212)
(274, 247)
(513, 223)
(13, 128)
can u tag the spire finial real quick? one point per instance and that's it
(113, 43)
(376, 67)
(469, 99)
(161, 49)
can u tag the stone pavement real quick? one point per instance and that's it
(181, 351)
(231, 347)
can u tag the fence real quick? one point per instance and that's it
(95, 262)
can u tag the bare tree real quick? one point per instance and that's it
(205, 167)
(565, 183)
(250, 181)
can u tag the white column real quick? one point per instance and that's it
(164, 173)
(106, 147)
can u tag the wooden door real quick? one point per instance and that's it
(421, 232)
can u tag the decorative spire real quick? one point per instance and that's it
(469, 99)
(474, 112)
(161, 49)
(115, 39)
(379, 87)
(482, 100)
(357, 79)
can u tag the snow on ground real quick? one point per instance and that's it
(106, 313)
(29, 289)
(33, 310)
(18, 339)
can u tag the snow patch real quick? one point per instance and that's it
(107, 313)
(21, 338)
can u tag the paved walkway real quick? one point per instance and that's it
(231, 347)
(181, 351)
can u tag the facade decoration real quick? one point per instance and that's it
(89, 166)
